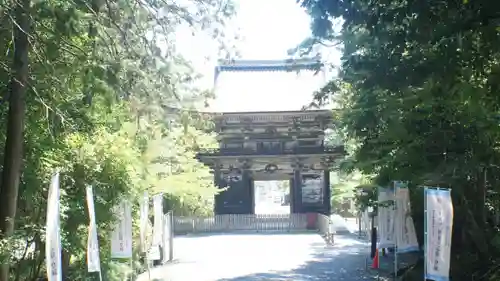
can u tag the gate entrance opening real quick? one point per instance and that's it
(272, 197)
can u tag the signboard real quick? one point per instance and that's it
(386, 218)
(438, 231)
(405, 234)
(312, 190)
(121, 239)
(154, 253)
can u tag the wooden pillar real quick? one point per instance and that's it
(218, 200)
(327, 202)
(297, 192)
(238, 199)
(247, 188)
(251, 186)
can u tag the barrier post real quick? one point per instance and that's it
(171, 236)
(396, 231)
(425, 232)
(373, 237)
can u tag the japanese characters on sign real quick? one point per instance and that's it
(439, 223)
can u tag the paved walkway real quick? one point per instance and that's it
(258, 257)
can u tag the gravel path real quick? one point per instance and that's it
(258, 257)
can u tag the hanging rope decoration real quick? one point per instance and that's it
(271, 168)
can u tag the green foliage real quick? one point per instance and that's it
(109, 103)
(342, 193)
(366, 196)
(418, 96)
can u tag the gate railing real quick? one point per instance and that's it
(237, 222)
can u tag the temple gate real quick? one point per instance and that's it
(259, 146)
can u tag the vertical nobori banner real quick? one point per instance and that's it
(406, 236)
(93, 260)
(438, 231)
(52, 235)
(144, 216)
(121, 239)
(385, 218)
(365, 223)
(154, 252)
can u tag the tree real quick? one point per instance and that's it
(342, 195)
(418, 92)
(103, 93)
(15, 126)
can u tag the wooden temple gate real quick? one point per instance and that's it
(263, 146)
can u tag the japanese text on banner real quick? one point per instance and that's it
(385, 218)
(439, 223)
(93, 260)
(406, 236)
(121, 239)
(53, 238)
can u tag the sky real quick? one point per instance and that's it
(267, 29)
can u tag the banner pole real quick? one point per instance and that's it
(425, 233)
(132, 268)
(149, 270)
(396, 232)
(171, 237)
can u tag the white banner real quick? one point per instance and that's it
(121, 239)
(438, 229)
(406, 236)
(154, 253)
(166, 237)
(144, 217)
(52, 235)
(365, 223)
(385, 218)
(158, 219)
(93, 261)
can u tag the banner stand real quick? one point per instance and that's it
(396, 227)
(132, 268)
(144, 217)
(121, 238)
(405, 239)
(425, 234)
(428, 190)
(149, 271)
(425, 227)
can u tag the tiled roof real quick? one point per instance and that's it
(267, 65)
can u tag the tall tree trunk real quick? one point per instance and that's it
(13, 156)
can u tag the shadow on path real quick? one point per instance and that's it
(343, 263)
(265, 256)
